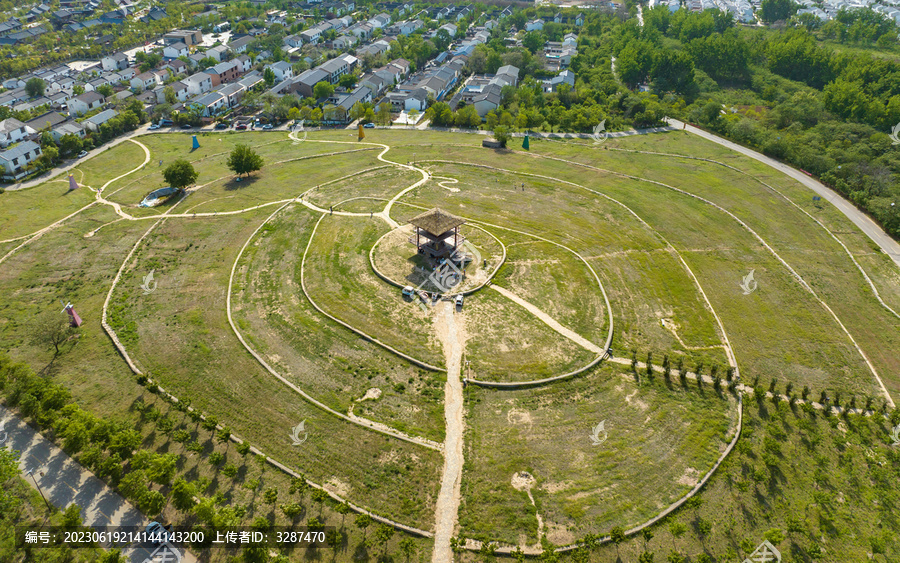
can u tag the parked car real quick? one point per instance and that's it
(369, 126)
(240, 127)
(187, 126)
(408, 291)
(82, 154)
(157, 534)
(267, 126)
(459, 301)
(221, 126)
(154, 126)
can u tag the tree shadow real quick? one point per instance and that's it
(239, 183)
(360, 553)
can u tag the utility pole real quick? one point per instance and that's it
(31, 472)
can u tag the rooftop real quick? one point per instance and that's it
(436, 221)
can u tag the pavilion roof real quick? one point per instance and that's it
(436, 221)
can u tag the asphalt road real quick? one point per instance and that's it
(64, 481)
(860, 219)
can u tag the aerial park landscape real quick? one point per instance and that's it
(575, 348)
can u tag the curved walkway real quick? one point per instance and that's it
(765, 245)
(859, 267)
(860, 219)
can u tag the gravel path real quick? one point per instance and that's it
(447, 506)
(549, 321)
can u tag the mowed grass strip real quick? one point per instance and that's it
(340, 280)
(63, 265)
(111, 163)
(559, 283)
(23, 212)
(660, 439)
(383, 183)
(325, 359)
(585, 222)
(647, 288)
(796, 236)
(219, 190)
(805, 245)
(506, 342)
(181, 336)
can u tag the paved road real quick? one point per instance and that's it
(63, 481)
(860, 219)
(72, 163)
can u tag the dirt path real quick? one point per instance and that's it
(450, 329)
(548, 320)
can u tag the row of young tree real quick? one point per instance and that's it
(113, 452)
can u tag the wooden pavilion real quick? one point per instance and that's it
(437, 235)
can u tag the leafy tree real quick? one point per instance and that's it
(468, 117)
(180, 174)
(183, 494)
(323, 90)
(35, 87)
(171, 97)
(645, 557)
(362, 522)
(502, 135)
(269, 77)
(105, 90)
(9, 468)
(533, 41)
(71, 517)
(407, 547)
(441, 40)
(134, 484)
(776, 10)
(384, 114)
(292, 510)
(244, 160)
(677, 530)
(348, 80)
(51, 329)
(617, 535)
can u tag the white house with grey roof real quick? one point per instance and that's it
(15, 159)
(94, 122)
(12, 131)
(282, 70)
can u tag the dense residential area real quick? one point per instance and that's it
(77, 75)
(323, 63)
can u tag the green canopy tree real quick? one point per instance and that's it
(244, 160)
(180, 174)
(35, 87)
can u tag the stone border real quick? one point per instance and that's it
(467, 292)
(371, 339)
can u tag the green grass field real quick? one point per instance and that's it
(670, 263)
